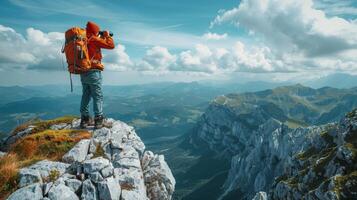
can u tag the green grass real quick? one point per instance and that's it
(41, 125)
(47, 144)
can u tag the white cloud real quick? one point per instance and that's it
(299, 37)
(117, 59)
(39, 50)
(156, 58)
(340, 7)
(214, 36)
(36, 50)
(293, 26)
(201, 59)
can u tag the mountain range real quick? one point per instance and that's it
(205, 126)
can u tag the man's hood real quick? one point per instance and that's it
(92, 28)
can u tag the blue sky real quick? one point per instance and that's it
(183, 40)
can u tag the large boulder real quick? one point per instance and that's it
(60, 192)
(78, 153)
(45, 167)
(159, 181)
(127, 158)
(89, 191)
(109, 189)
(74, 184)
(28, 177)
(31, 192)
(95, 164)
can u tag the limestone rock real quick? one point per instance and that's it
(117, 175)
(29, 176)
(74, 184)
(78, 153)
(45, 167)
(59, 192)
(89, 191)
(31, 192)
(109, 189)
(96, 177)
(95, 164)
(159, 180)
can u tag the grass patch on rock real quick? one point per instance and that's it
(99, 152)
(47, 144)
(41, 125)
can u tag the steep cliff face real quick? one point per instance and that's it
(324, 171)
(110, 164)
(259, 147)
(260, 140)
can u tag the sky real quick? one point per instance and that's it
(182, 40)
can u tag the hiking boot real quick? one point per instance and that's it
(85, 121)
(98, 122)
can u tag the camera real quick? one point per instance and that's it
(101, 33)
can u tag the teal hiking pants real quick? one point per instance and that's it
(92, 88)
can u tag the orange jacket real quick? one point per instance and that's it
(96, 43)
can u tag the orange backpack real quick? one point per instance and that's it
(76, 50)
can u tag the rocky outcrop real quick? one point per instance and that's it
(112, 165)
(261, 148)
(326, 171)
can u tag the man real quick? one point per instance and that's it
(92, 80)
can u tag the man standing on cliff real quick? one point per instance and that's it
(92, 80)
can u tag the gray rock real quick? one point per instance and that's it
(131, 182)
(46, 166)
(59, 192)
(127, 158)
(78, 153)
(107, 151)
(93, 146)
(75, 123)
(89, 191)
(46, 187)
(102, 136)
(345, 154)
(132, 194)
(96, 177)
(59, 126)
(31, 192)
(2, 154)
(107, 171)
(74, 184)
(68, 176)
(109, 189)
(28, 177)
(159, 181)
(89, 156)
(13, 138)
(95, 164)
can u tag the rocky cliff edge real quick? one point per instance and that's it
(108, 163)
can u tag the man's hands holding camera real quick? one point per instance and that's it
(105, 34)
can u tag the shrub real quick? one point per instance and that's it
(9, 167)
